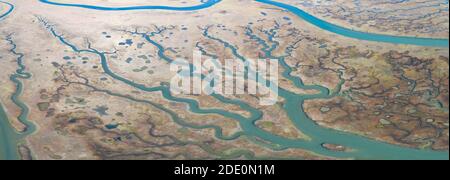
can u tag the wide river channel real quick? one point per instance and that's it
(363, 148)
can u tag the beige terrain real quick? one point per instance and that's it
(81, 112)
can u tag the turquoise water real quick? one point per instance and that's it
(15, 97)
(364, 148)
(300, 13)
(204, 5)
(9, 137)
(357, 34)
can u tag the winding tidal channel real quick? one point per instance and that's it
(363, 148)
(10, 138)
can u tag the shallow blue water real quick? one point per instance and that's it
(8, 136)
(203, 5)
(300, 13)
(357, 34)
(365, 148)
